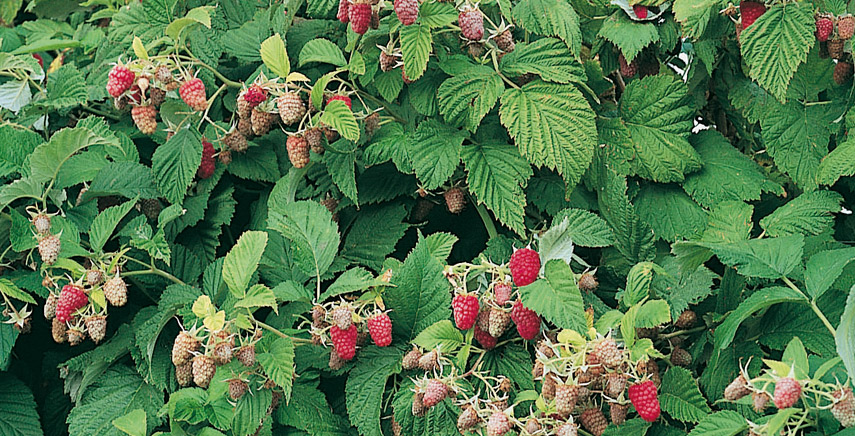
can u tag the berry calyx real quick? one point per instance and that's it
(645, 399)
(525, 266)
(465, 308)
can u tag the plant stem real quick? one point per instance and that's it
(813, 307)
(488, 222)
(280, 334)
(152, 270)
(683, 332)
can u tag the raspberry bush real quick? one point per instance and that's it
(219, 218)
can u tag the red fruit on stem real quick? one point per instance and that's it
(380, 329)
(471, 23)
(255, 95)
(193, 93)
(344, 341)
(645, 399)
(502, 293)
(465, 308)
(527, 321)
(640, 11)
(750, 12)
(484, 338)
(343, 98)
(407, 11)
(435, 392)
(208, 164)
(525, 266)
(119, 80)
(824, 28)
(360, 17)
(343, 14)
(71, 298)
(787, 392)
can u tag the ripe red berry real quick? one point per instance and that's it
(640, 11)
(298, 151)
(360, 17)
(645, 399)
(465, 308)
(208, 164)
(193, 93)
(435, 392)
(527, 321)
(344, 341)
(750, 12)
(484, 338)
(71, 298)
(380, 329)
(343, 11)
(255, 95)
(343, 98)
(407, 11)
(525, 266)
(824, 28)
(471, 23)
(145, 118)
(787, 392)
(119, 80)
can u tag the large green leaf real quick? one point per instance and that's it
(366, 384)
(585, 229)
(839, 163)
(681, 398)
(242, 260)
(824, 268)
(435, 152)
(497, 175)
(723, 423)
(547, 57)
(416, 45)
(553, 126)
(657, 113)
(796, 136)
(175, 163)
(670, 212)
(18, 415)
(338, 116)
(809, 214)
(557, 298)
(633, 237)
(757, 301)
(313, 234)
(105, 223)
(845, 337)
(629, 36)
(775, 45)
(551, 18)
(47, 159)
(278, 363)
(465, 98)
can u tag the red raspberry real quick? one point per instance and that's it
(824, 28)
(455, 200)
(344, 341)
(407, 11)
(343, 11)
(380, 329)
(845, 27)
(255, 95)
(471, 23)
(435, 392)
(484, 338)
(119, 80)
(644, 397)
(844, 407)
(465, 308)
(360, 17)
(193, 93)
(39, 59)
(71, 298)
(525, 266)
(527, 321)
(298, 151)
(498, 424)
(750, 12)
(208, 164)
(145, 117)
(291, 108)
(787, 392)
(640, 11)
(343, 98)
(502, 293)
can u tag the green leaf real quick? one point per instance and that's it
(421, 296)
(352, 280)
(839, 163)
(341, 169)
(47, 159)
(365, 245)
(126, 179)
(416, 45)
(658, 114)
(795, 357)
(278, 363)
(547, 57)
(437, 14)
(18, 415)
(845, 337)
(551, 18)
(726, 174)
(105, 224)
(337, 115)
(629, 36)
(652, 313)
(174, 164)
(556, 243)
(200, 15)
(366, 384)
(16, 144)
(638, 282)
(557, 299)
(249, 412)
(442, 334)
(585, 229)
(258, 296)
(465, 98)
(553, 126)
(757, 301)
(496, 175)
(775, 45)
(312, 412)
(723, 423)
(681, 398)
(133, 423)
(633, 237)
(771, 258)
(65, 88)
(242, 261)
(9, 289)
(670, 212)
(275, 57)
(694, 15)
(323, 51)
(796, 136)
(632, 427)
(809, 214)
(312, 232)
(824, 268)
(435, 152)
(115, 393)
(440, 245)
